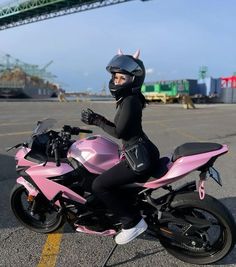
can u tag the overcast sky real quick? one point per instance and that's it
(176, 37)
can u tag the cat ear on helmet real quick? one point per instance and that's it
(120, 52)
(136, 54)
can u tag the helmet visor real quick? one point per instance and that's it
(125, 64)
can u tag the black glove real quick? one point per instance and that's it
(91, 118)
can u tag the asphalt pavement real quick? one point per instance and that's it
(168, 126)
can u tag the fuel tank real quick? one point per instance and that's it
(96, 153)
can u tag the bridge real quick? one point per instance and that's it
(21, 12)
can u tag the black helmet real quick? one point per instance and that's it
(126, 64)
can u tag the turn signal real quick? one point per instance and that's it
(30, 198)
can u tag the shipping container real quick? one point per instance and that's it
(209, 86)
(170, 88)
(193, 87)
(146, 88)
(227, 95)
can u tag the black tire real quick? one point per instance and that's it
(45, 220)
(224, 233)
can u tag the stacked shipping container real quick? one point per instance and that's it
(207, 87)
(171, 88)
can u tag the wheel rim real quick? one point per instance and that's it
(44, 218)
(212, 238)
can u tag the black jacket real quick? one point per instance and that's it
(127, 124)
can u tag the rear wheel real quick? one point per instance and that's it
(36, 214)
(207, 233)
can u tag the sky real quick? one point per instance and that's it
(175, 37)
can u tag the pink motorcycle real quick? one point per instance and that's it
(54, 186)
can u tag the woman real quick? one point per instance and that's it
(128, 73)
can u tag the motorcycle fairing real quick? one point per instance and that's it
(183, 166)
(20, 157)
(48, 187)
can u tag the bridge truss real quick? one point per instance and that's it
(23, 12)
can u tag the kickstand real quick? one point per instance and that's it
(109, 256)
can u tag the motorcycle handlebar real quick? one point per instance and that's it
(57, 158)
(86, 131)
(56, 153)
(58, 142)
(75, 130)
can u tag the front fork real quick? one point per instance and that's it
(32, 193)
(30, 188)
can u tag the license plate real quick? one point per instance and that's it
(213, 173)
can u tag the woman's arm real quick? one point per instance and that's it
(129, 114)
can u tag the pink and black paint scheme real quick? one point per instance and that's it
(98, 154)
(56, 174)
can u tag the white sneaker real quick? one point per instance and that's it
(127, 235)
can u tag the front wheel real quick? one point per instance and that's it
(35, 214)
(205, 235)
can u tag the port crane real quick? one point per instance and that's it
(8, 62)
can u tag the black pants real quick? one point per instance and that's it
(107, 188)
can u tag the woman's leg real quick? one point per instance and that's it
(107, 188)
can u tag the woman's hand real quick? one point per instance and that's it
(91, 118)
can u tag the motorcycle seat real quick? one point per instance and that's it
(189, 149)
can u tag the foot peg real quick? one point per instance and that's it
(84, 229)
